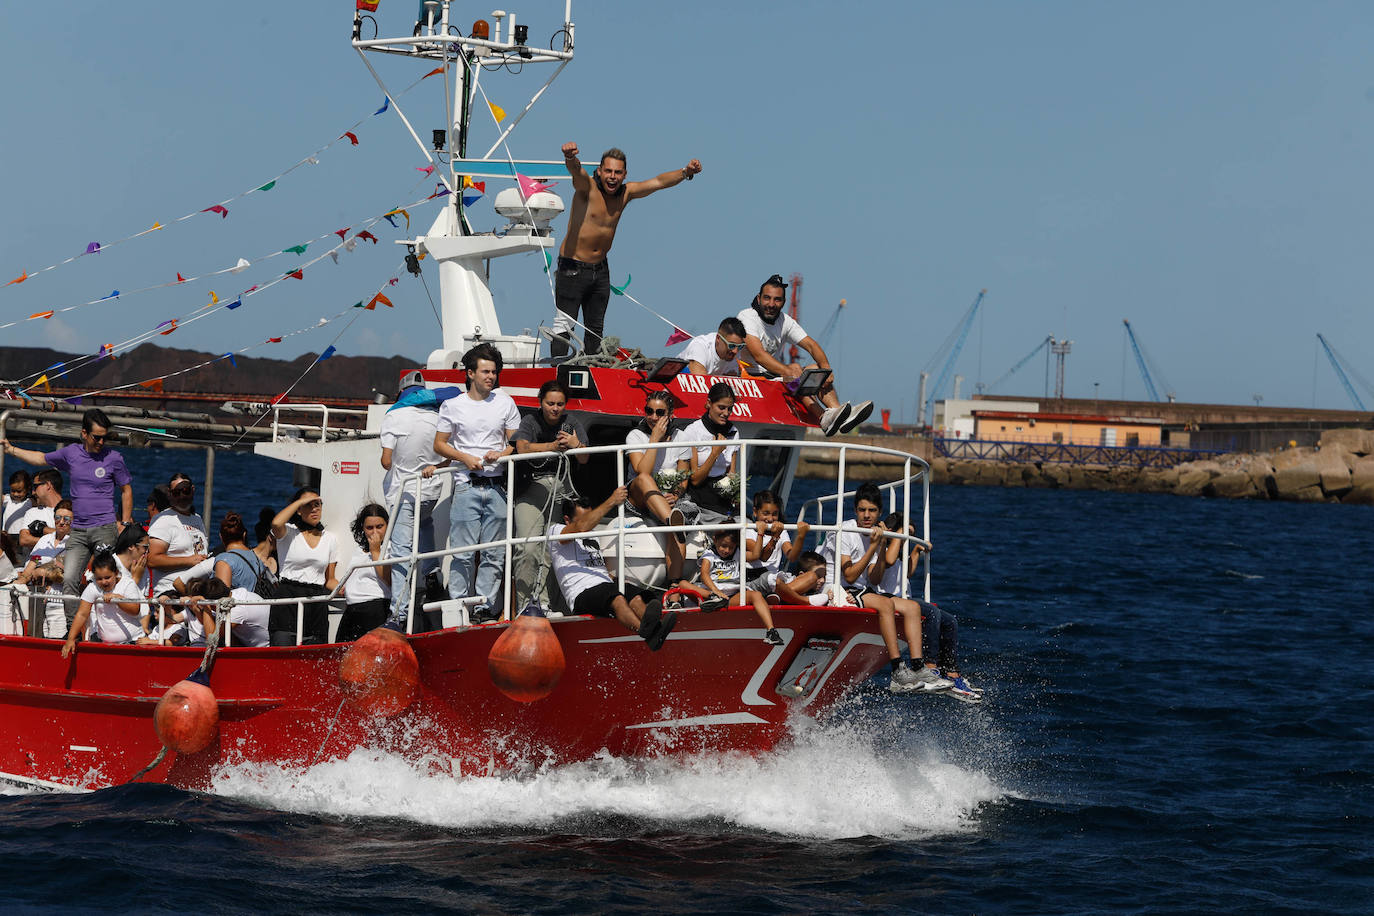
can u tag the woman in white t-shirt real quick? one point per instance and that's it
(113, 599)
(306, 558)
(367, 588)
(707, 465)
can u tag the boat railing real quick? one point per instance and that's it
(915, 470)
(282, 430)
(900, 491)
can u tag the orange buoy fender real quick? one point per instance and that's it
(379, 673)
(187, 717)
(527, 661)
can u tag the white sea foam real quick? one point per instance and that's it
(830, 783)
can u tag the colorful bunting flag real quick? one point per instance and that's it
(298, 274)
(92, 248)
(427, 169)
(217, 208)
(241, 266)
(114, 294)
(386, 103)
(620, 290)
(342, 233)
(157, 226)
(41, 380)
(677, 337)
(334, 256)
(296, 249)
(47, 314)
(328, 352)
(107, 350)
(274, 340)
(153, 385)
(369, 6)
(180, 278)
(173, 323)
(269, 186)
(19, 279)
(235, 304)
(529, 186)
(497, 112)
(379, 298)
(548, 260)
(435, 72)
(233, 362)
(393, 281)
(439, 191)
(352, 137)
(367, 235)
(403, 212)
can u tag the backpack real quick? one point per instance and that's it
(267, 580)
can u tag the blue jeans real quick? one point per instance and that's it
(402, 529)
(939, 636)
(477, 514)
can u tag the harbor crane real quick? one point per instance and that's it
(1337, 363)
(1049, 339)
(1144, 363)
(949, 352)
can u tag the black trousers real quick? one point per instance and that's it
(585, 287)
(281, 620)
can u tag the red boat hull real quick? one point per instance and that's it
(87, 722)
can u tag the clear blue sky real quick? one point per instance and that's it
(1198, 168)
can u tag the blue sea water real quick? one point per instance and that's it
(1177, 720)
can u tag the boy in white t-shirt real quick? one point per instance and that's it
(586, 585)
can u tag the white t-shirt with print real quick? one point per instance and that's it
(39, 513)
(775, 337)
(852, 543)
(184, 535)
(12, 514)
(478, 427)
(698, 432)
(111, 624)
(702, 349)
(724, 573)
(409, 433)
(664, 458)
(577, 564)
(47, 548)
(299, 562)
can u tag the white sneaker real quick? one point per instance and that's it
(931, 681)
(856, 416)
(833, 418)
(904, 680)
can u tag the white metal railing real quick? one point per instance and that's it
(323, 409)
(902, 486)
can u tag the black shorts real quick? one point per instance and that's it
(597, 600)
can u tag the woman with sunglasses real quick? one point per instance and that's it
(707, 465)
(306, 556)
(45, 568)
(645, 467)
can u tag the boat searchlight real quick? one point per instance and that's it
(533, 213)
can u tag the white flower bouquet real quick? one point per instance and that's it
(728, 486)
(669, 480)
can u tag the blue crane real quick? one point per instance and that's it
(1340, 373)
(952, 345)
(1049, 339)
(1141, 361)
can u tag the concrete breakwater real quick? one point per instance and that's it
(1339, 469)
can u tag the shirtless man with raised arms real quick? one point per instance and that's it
(584, 277)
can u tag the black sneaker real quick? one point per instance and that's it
(773, 637)
(649, 623)
(665, 626)
(715, 603)
(676, 518)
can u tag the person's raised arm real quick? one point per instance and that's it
(701, 471)
(637, 189)
(797, 545)
(27, 455)
(590, 520)
(852, 569)
(281, 518)
(581, 181)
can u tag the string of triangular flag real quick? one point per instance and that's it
(241, 265)
(221, 209)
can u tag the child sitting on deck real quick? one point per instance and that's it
(115, 601)
(720, 569)
(767, 545)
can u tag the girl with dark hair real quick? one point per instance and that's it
(306, 557)
(114, 599)
(238, 565)
(709, 466)
(367, 588)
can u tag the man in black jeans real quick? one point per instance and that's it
(584, 278)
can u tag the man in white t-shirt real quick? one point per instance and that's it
(588, 588)
(717, 353)
(176, 537)
(47, 493)
(769, 332)
(474, 431)
(407, 436)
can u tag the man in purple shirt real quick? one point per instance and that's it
(94, 471)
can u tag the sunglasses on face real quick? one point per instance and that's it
(97, 437)
(186, 490)
(732, 347)
(652, 412)
(64, 519)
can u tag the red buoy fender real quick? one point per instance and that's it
(187, 717)
(379, 674)
(527, 661)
